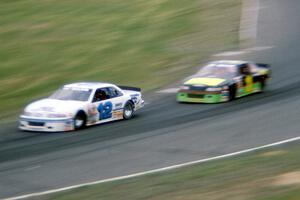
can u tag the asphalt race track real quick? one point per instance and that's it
(165, 132)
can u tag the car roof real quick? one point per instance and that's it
(89, 85)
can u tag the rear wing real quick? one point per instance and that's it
(130, 88)
(267, 66)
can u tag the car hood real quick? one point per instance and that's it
(54, 106)
(205, 81)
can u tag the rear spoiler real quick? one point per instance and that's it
(263, 65)
(130, 88)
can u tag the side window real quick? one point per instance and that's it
(114, 92)
(101, 94)
(244, 69)
(253, 68)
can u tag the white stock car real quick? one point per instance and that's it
(77, 105)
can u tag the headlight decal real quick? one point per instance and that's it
(56, 115)
(184, 87)
(211, 89)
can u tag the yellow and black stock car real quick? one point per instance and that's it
(224, 80)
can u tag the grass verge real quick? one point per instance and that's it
(45, 44)
(272, 174)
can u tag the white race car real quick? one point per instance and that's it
(77, 105)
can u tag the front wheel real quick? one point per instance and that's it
(79, 121)
(128, 110)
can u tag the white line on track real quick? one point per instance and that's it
(32, 168)
(230, 53)
(155, 170)
(259, 48)
(168, 91)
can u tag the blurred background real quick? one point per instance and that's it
(148, 44)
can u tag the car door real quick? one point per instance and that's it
(108, 103)
(247, 79)
(118, 99)
(102, 102)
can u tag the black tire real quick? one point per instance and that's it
(262, 85)
(232, 92)
(128, 110)
(80, 121)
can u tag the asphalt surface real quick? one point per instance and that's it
(166, 133)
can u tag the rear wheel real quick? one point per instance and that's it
(128, 110)
(79, 121)
(232, 92)
(262, 85)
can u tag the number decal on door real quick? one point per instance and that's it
(249, 84)
(105, 110)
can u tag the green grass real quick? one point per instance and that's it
(272, 174)
(45, 44)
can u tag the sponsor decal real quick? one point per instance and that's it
(225, 93)
(92, 109)
(93, 113)
(134, 99)
(118, 105)
(117, 114)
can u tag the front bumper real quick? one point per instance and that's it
(46, 125)
(202, 97)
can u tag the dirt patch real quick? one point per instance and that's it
(273, 153)
(291, 178)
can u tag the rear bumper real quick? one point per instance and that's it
(46, 125)
(139, 104)
(191, 97)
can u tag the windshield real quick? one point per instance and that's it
(74, 94)
(224, 71)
